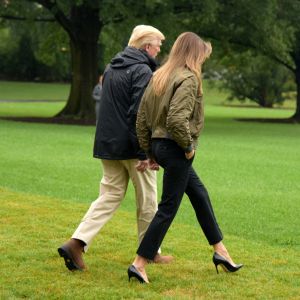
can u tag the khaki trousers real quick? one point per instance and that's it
(113, 186)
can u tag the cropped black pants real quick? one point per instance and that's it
(179, 178)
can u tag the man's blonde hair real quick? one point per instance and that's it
(143, 35)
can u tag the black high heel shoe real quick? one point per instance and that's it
(227, 266)
(133, 272)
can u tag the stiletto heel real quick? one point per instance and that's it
(133, 272)
(225, 264)
(217, 268)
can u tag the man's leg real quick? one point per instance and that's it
(113, 187)
(145, 193)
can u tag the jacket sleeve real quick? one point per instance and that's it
(180, 111)
(142, 130)
(140, 80)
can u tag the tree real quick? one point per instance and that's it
(83, 27)
(80, 20)
(33, 52)
(269, 27)
(85, 20)
(257, 78)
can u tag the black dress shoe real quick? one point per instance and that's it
(227, 266)
(133, 272)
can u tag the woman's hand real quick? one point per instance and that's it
(142, 165)
(190, 155)
(153, 165)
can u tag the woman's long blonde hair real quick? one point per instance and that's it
(189, 51)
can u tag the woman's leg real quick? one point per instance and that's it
(200, 200)
(176, 168)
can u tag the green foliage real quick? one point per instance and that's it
(269, 27)
(7, 44)
(120, 18)
(255, 24)
(171, 18)
(19, 62)
(52, 46)
(32, 50)
(257, 78)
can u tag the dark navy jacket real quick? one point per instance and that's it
(124, 82)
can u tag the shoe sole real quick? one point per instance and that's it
(70, 264)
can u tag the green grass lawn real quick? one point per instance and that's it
(48, 179)
(55, 95)
(33, 91)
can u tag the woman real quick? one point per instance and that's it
(169, 122)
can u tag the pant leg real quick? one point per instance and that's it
(199, 198)
(145, 193)
(113, 187)
(176, 167)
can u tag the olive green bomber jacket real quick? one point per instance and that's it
(177, 114)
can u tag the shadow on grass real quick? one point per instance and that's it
(270, 120)
(53, 120)
(92, 122)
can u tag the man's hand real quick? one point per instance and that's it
(142, 165)
(190, 155)
(153, 165)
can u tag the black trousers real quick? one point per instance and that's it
(179, 178)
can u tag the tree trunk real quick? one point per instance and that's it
(263, 99)
(296, 116)
(83, 44)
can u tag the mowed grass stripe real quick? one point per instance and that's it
(34, 226)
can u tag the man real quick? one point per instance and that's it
(116, 144)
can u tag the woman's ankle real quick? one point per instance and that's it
(221, 250)
(140, 262)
